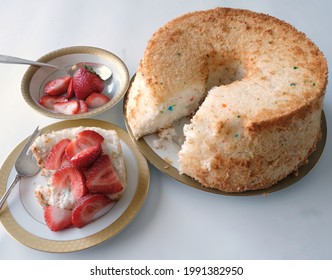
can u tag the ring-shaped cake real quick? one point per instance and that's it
(253, 84)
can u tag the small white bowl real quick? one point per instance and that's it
(35, 78)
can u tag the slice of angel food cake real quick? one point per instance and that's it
(85, 171)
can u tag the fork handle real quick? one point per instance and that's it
(5, 196)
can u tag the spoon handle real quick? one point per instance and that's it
(17, 60)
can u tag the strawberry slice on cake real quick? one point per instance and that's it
(85, 148)
(69, 181)
(56, 218)
(89, 208)
(101, 177)
(86, 171)
(57, 157)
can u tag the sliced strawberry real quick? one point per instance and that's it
(86, 157)
(91, 137)
(102, 178)
(96, 100)
(72, 179)
(70, 90)
(76, 146)
(85, 139)
(68, 108)
(86, 81)
(65, 161)
(57, 157)
(88, 207)
(83, 107)
(56, 218)
(48, 101)
(57, 86)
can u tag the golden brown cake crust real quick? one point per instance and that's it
(265, 82)
(179, 39)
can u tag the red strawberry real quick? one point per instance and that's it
(91, 136)
(76, 146)
(48, 101)
(65, 161)
(85, 139)
(70, 90)
(101, 177)
(56, 218)
(86, 157)
(83, 107)
(88, 207)
(96, 100)
(57, 86)
(68, 108)
(86, 81)
(57, 157)
(72, 178)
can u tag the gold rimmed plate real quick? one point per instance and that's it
(35, 78)
(166, 159)
(22, 216)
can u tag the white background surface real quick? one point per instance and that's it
(175, 222)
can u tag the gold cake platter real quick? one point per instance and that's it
(166, 160)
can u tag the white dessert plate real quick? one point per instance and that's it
(22, 216)
(165, 158)
(35, 78)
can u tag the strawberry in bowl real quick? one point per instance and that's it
(86, 81)
(86, 175)
(43, 87)
(74, 95)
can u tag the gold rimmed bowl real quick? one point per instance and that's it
(35, 78)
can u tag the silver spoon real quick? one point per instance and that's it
(102, 70)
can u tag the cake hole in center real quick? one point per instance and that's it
(224, 73)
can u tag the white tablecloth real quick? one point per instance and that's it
(176, 221)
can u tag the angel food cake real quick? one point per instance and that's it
(86, 172)
(253, 84)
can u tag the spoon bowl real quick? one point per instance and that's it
(103, 71)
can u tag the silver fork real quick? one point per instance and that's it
(25, 165)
